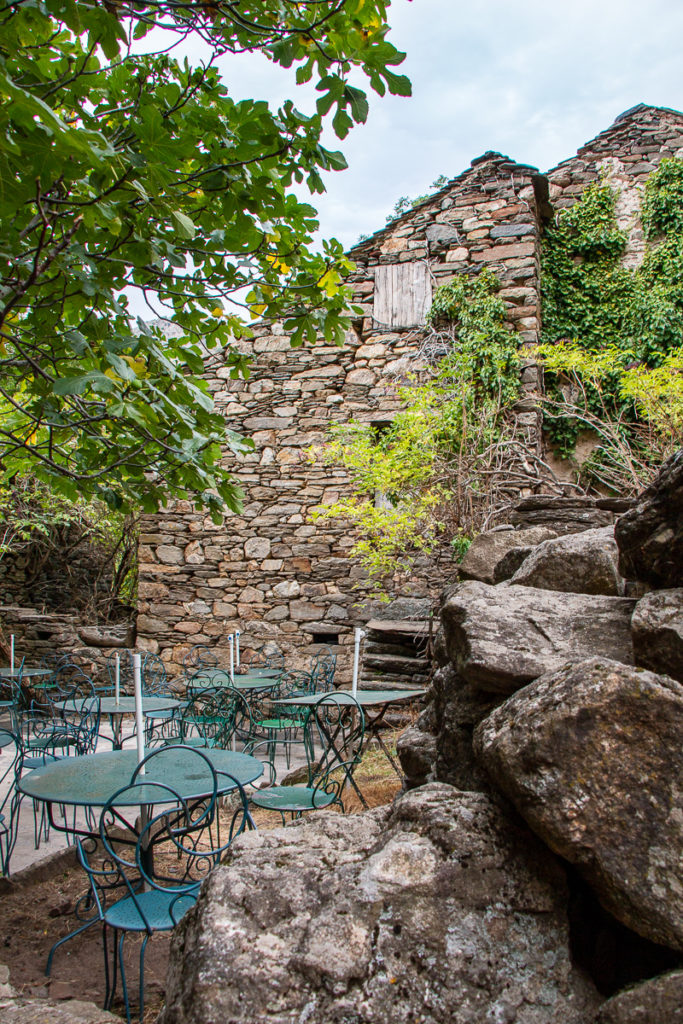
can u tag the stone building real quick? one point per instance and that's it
(270, 571)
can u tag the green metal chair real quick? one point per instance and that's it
(144, 880)
(275, 725)
(11, 691)
(212, 716)
(9, 749)
(333, 740)
(199, 656)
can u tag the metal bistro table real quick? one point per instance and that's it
(90, 781)
(247, 681)
(25, 673)
(375, 704)
(125, 706)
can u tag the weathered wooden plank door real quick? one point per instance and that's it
(403, 294)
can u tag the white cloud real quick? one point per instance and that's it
(532, 79)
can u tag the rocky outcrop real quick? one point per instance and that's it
(563, 515)
(657, 629)
(500, 638)
(579, 563)
(442, 909)
(458, 708)
(591, 757)
(650, 535)
(656, 1001)
(486, 552)
(416, 748)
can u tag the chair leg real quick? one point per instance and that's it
(108, 990)
(142, 976)
(114, 966)
(124, 986)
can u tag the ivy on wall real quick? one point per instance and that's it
(484, 352)
(431, 475)
(591, 300)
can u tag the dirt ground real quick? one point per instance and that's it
(36, 914)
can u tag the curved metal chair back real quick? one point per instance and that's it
(333, 732)
(199, 656)
(208, 678)
(216, 715)
(178, 829)
(11, 689)
(10, 751)
(322, 674)
(154, 678)
(70, 682)
(146, 865)
(323, 653)
(201, 718)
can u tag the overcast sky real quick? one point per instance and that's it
(531, 79)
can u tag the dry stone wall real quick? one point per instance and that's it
(625, 154)
(272, 572)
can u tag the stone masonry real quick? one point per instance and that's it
(271, 571)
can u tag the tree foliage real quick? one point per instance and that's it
(127, 169)
(67, 555)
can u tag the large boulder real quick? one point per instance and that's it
(561, 514)
(578, 563)
(650, 535)
(656, 1001)
(416, 749)
(591, 757)
(441, 910)
(458, 708)
(500, 638)
(488, 550)
(657, 630)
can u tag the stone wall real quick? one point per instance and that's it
(42, 635)
(270, 571)
(625, 154)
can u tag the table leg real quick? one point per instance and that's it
(116, 722)
(373, 732)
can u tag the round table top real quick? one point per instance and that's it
(239, 683)
(90, 780)
(365, 698)
(25, 673)
(125, 706)
(244, 673)
(259, 673)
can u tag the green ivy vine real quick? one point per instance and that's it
(485, 351)
(589, 298)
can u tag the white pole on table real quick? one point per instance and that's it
(117, 678)
(139, 726)
(231, 642)
(11, 647)
(237, 648)
(356, 659)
